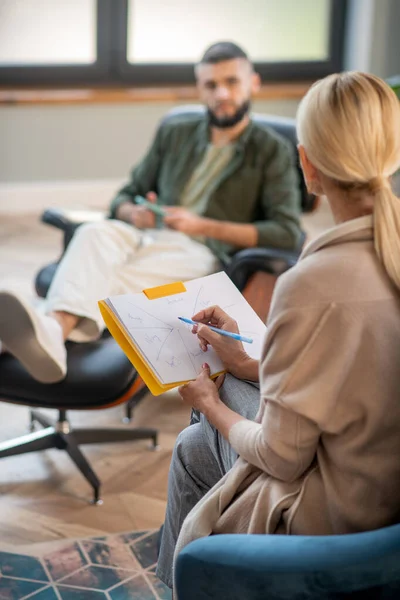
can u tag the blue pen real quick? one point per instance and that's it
(235, 336)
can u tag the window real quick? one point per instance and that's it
(157, 41)
(44, 32)
(260, 32)
(54, 41)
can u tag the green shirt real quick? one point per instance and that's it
(196, 192)
(259, 185)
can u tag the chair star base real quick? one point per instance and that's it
(59, 434)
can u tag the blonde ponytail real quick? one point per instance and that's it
(349, 125)
(387, 232)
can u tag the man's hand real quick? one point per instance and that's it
(183, 220)
(230, 351)
(139, 216)
(241, 235)
(202, 393)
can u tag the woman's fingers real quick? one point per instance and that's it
(219, 380)
(214, 315)
(203, 343)
(216, 340)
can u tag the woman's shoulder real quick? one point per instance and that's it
(339, 273)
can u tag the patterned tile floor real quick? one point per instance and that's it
(117, 567)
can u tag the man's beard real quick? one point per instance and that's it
(226, 122)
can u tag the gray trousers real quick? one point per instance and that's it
(200, 458)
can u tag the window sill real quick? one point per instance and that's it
(273, 91)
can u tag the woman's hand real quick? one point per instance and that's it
(230, 351)
(202, 393)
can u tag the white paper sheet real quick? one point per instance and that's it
(167, 344)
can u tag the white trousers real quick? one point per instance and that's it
(111, 257)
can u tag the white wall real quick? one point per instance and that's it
(90, 141)
(385, 49)
(78, 155)
(373, 40)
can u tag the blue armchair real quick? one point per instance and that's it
(278, 567)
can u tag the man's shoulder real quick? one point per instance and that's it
(265, 136)
(182, 121)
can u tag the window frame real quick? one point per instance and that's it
(64, 73)
(113, 69)
(270, 72)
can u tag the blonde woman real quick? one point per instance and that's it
(322, 455)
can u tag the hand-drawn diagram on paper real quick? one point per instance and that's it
(169, 345)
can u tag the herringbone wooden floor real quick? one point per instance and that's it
(43, 497)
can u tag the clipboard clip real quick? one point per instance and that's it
(161, 291)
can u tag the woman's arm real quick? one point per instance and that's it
(300, 382)
(306, 360)
(283, 445)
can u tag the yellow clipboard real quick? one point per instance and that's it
(126, 344)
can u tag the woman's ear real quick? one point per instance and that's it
(311, 175)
